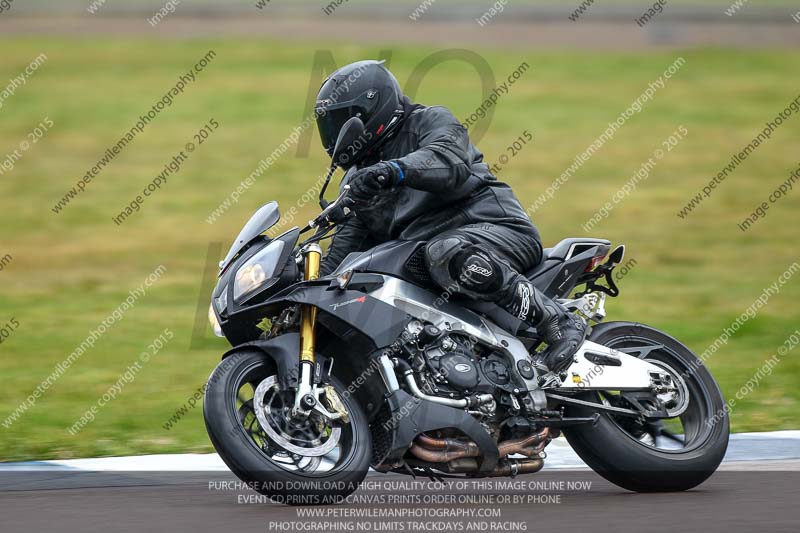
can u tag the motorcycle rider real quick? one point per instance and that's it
(420, 178)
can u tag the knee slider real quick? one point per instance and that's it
(440, 251)
(438, 254)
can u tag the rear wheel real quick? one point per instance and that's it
(297, 461)
(647, 455)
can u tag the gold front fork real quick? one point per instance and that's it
(305, 398)
(308, 315)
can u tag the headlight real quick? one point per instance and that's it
(221, 301)
(212, 317)
(257, 270)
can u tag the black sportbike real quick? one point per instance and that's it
(375, 366)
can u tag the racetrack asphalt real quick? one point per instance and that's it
(756, 489)
(574, 500)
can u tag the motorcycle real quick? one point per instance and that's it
(376, 366)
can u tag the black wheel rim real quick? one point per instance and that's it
(679, 435)
(243, 391)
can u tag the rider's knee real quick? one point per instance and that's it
(440, 251)
(476, 270)
(456, 262)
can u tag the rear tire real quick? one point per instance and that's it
(248, 460)
(629, 463)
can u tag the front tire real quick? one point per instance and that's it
(623, 453)
(255, 457)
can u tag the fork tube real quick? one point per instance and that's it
(309, 313)
(308, 317)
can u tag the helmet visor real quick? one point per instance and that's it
(330, 122)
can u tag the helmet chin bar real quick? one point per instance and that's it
(387, 132)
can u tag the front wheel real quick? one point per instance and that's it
(299, 461)
(646, 455)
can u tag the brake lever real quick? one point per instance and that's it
(335, 212)
(342, 210)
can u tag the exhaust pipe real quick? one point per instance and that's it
(434, 450)
(528, 446)
(506, 468)
(513, 467)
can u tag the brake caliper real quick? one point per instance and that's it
(335, 403)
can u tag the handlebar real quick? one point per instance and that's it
(339, 209)
(336, 211)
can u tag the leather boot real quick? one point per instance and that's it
(563, 331)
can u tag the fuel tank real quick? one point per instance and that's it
(400, 259)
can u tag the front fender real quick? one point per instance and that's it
(283, 350)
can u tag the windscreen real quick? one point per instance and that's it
(263, 219)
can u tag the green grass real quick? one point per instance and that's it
(693, 277)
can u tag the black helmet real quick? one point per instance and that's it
(367, 90)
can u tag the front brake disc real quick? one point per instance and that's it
(280, 438)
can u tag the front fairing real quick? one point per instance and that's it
(236, 328)
(263, 219)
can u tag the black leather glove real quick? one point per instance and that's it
(367, 182)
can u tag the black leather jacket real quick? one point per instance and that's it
(447, 185)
